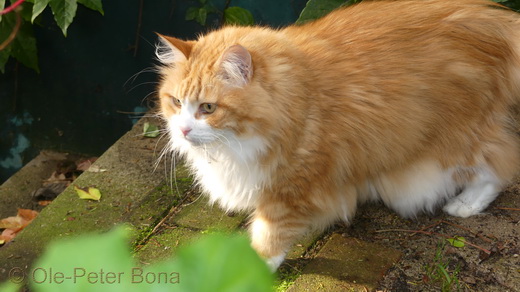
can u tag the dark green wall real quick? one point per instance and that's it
(81, 99)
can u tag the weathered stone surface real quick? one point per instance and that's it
(17, 191)
(200, 215)
(163, 246)
(132, 193)
(346, 264)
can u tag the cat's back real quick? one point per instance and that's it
(408, 28)
(377, 19)
(404, 46)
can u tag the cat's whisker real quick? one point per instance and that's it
(220, 136)
(164, 150)
(152, 93)
(132, 78)
(174, 173)
(142, 84)
(151, 115)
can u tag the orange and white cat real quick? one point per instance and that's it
(407, 102)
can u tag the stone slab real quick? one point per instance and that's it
(132, 193)
(346, 264)
(163, 246)
(17, 191)
(201, 215)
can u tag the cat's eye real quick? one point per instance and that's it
(176, 102)
(208, 108)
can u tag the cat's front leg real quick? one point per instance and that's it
(273, 231)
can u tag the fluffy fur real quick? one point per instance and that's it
(407, 102)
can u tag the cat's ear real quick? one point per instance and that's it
(171, 50)
(236, 66)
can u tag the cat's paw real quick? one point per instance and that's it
(275, 262)
(459, 208)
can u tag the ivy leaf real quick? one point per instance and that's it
(93, 4)
(199, 14)
(38, 7)
(318, 8)
(202, 15)
(150, 130)
(88, 193)
(238, 16)
(64, 12)
(191, 13)
(457, 241)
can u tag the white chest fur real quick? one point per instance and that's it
(230, 172)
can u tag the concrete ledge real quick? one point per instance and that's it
(17, 191)
(131, 193)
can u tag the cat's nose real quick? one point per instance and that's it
(185, 131)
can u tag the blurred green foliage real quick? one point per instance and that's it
(19, 23)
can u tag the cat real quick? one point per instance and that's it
(405, 102)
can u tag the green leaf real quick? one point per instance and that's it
(64, 12)
(202, 15)
(26, 11)
(199, 14)
(93, 4)
(94, 262)
(457, 241)
(2, 6)
(150, 130)
(4, 57)
(9, 287)
(213, 263)
(88, 193)
(318, 8)
(191, 13)
(226, 263)
(238, 16)
(23, 47)
(6, 26)
(38, 7)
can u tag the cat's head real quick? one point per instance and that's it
(208, 94)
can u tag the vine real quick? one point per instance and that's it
(16, 34)
(230, 15)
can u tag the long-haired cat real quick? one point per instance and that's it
(407, 102)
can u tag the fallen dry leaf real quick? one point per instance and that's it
(7, 235)
(84, 165)
(13, 222)
(88, 193)
(56, 177)
(13, 225)
(95, 168)
(44, 203)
